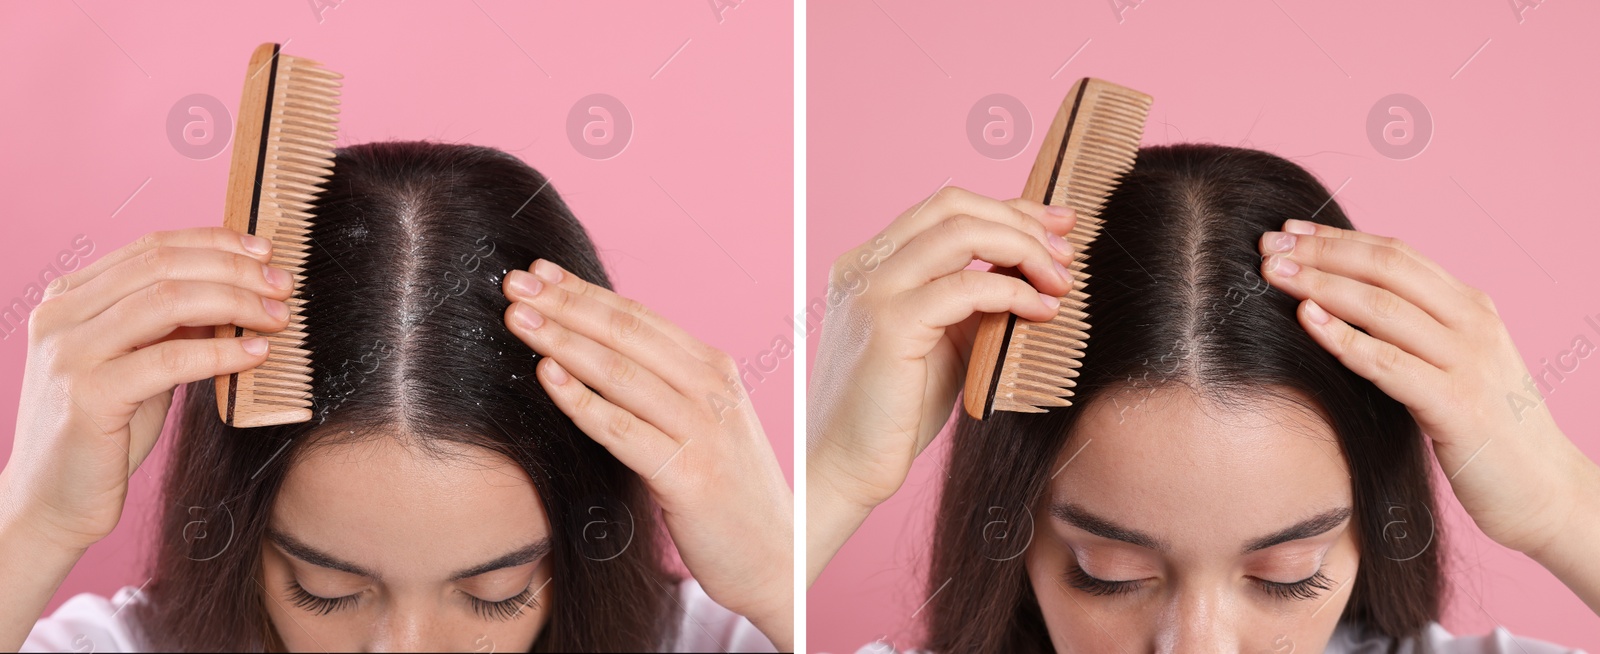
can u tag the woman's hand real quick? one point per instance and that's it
(674, 411)
(106, 348)
(1439, 347)
(902, 313)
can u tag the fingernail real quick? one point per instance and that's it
(1316, 313)
(1055, 210)
(525, 284)
(276, 309)
(558, 375)
(277, 278)
(254, 346)
(1063, 271)
(1282, 265)
(1279, 242)
(1060, 244)
(1299, 227)
(255, 243)
(1051, 302)
(526, 317)
(547, 271)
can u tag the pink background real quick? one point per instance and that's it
(891, 83)
(90, 84)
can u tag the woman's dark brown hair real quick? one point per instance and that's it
(404, 317)
(1177, 297)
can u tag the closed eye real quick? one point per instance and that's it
(505, 609)
(1309, 588)
(1305, 589)
(317, 604)
(1077, 578)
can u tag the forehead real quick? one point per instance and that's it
(1167, 461)
(401, 511)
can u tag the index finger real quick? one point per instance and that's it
(216, 238)
(1032, 218)
(550, 273)
(1294, 226)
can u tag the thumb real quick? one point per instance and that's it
(144, 428)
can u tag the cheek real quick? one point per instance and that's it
(300, 630)
(1074, 624)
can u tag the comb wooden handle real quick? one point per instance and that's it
(238, 213)
(987, 349)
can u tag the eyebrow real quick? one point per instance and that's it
(525, 555)
(1314, 526)
(521, 556)
(1077, 516)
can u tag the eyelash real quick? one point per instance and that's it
(318, 604)
(505, 609)
(1304, 589)
(1096, 586)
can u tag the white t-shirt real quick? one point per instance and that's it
(1433, 640)
(91, 623)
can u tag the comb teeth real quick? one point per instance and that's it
(1041, 362)
(283, 155)
(1028, 366)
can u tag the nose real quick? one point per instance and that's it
(414, 629)
(1198, 621)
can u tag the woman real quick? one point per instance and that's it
(1242, 469)
(460, 486)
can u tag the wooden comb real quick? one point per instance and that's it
(282, 155)
(1021, 365)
